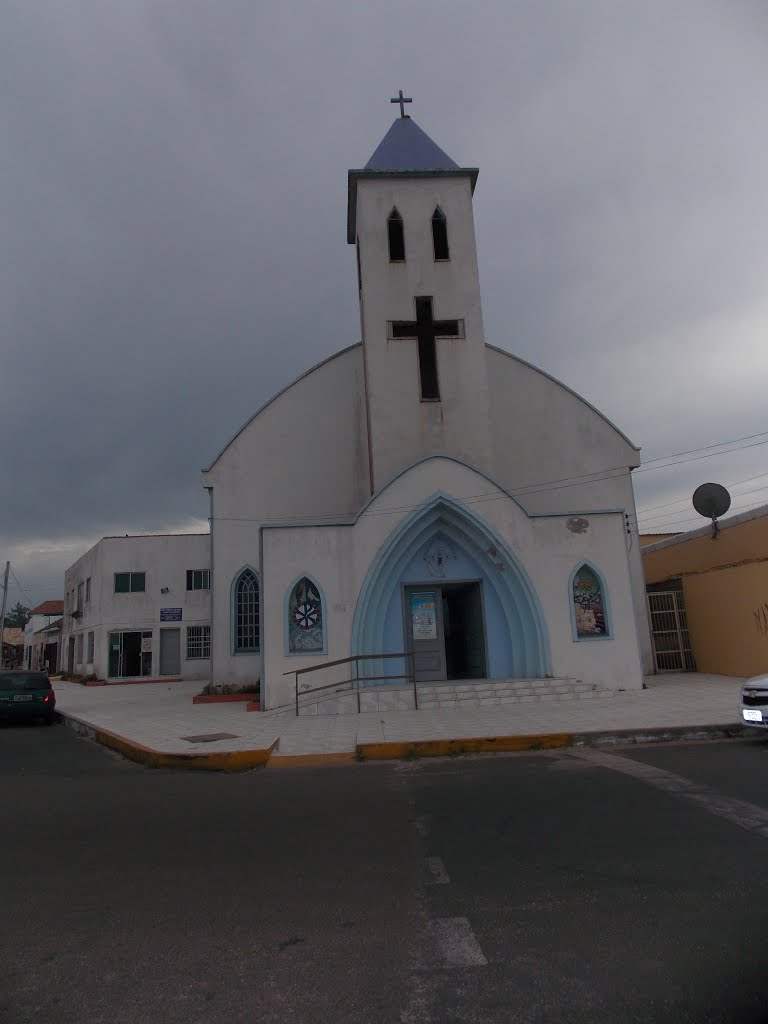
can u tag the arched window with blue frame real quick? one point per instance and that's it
(589, 604)
(246, 636)
(305, 619)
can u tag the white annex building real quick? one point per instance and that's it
(466, 508)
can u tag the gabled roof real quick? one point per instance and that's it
(405, 152)
(760, 512)
(406, 147)
(49, 608)
(52, 627)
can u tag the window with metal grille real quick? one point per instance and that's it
(440, 235)
(396, 237)
(129, 582)
(246, 612)
(198, 579)
(80, 637)
(91, 645)
(198, 641)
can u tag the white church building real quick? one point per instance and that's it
(468, 512)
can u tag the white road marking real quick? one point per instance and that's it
(739, 812)
(452, 943)
(436, 868)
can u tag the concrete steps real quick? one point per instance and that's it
(490, 692)
(458, 694)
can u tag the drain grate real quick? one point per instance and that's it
(209, 737)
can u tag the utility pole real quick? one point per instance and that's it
(2, 610)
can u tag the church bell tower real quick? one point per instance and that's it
(410, 217)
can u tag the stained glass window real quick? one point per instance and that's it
(305, 618)
(246, 625)
(589, 604)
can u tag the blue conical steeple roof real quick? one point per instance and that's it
(405, 151)
(406, 147)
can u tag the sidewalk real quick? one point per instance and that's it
(158, 724)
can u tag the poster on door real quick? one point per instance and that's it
(423, 616)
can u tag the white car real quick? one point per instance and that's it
(754, 702)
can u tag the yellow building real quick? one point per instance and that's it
(708, 598)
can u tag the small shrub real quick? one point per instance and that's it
(225, 689)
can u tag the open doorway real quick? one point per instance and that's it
(130, 654)
(445, 630)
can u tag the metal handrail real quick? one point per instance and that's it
(355, 679)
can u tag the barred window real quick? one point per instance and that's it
(246, 612)
(198, 579)
(198, 641)
(91, 646)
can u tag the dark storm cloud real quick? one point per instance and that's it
(173, 187)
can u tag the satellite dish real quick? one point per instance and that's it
(711, 501)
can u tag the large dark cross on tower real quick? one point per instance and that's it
(424, 329)
(401, 100)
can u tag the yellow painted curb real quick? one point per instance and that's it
(309, 760)
(470, 745)
(222, 761)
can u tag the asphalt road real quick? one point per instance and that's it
(627, 887)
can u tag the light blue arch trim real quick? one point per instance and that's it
(233, 613)
(518, 598)
(286, 633)
(608, 635)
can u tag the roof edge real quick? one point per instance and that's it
(581, 398)
(706, 531)
(274, 398)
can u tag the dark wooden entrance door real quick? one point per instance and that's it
(424, 629)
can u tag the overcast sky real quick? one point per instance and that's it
(173, 197)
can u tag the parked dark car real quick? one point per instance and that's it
(25, 694)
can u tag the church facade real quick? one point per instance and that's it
(467, 510)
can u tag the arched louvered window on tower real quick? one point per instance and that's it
(245, 612)
(440, 235)
(396, 237)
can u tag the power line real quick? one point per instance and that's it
(646, 468)
(556, 484)
(709, 447)
(682, 511)
(22, 588)
(680, 501)
(698, 519)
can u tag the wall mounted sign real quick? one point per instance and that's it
(170, 614)
(424, 616)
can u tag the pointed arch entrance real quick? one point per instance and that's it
(408, 565)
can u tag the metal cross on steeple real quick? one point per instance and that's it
(401, 100)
